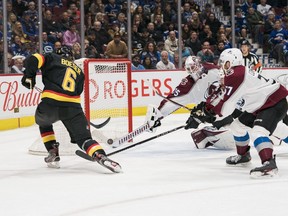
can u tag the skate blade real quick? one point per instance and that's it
(54, 165)
(270, 174)
(113, 166)
(240, 164)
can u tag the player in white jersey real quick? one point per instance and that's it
(191, 89)
(265, 105)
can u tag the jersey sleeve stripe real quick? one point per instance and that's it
(40, 59)
(60, 97)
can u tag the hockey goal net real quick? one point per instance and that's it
(107, 93)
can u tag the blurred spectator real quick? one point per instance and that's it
(112, 9)
(147, 63)
(213, 23)
(170, 27)
(206, 54)
(169, 13)
(196, 24)
(160, 48)
(17, 47)
(19, 7)
(144, 16)
(185, 32)
(12, 18)
(121, 23)
(240, 24)
(227, 44)
(101, 18)
(250, 59)
(185, 50)
(76, 50)
(32, 12)
(155, 33)
(137, 42)
(75, 13)
(71, 36)
(48, 47)
(9, 8)
(136, 63)
(256, 24)
(90, 51)
(18, 66)
(138, 22)
(268, 28)
(51, 27)
(53, 3)
(207, 35)
(219, 49)
(29, 27)
(96, 6)
(278, 38)
(9, 62)
(194, 43)
(64, 22)
(151, 51)
(157, 16)
(98, 37)
(194, 6)
(263, 8)
(116, 48)
(204, 15)
(176, 61)
(164, 63)
(146, 37)
(247, 4)
(171, 43)
(186, 14)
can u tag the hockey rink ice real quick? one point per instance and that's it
(164, 177)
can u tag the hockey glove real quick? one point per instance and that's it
(29, 83)
(192, 122)
(200, 112)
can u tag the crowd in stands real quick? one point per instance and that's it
(155, 41)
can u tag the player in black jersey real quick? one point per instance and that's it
(60, 100)
(250, 59)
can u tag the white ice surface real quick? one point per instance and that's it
(164, 177)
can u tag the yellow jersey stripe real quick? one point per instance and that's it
(60, 97)
(40, 59)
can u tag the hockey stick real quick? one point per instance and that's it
(100, 125)
(88, 157)
(129, 136)
(97, 126)
(165, 98)
(146, 140)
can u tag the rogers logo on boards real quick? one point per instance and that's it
(118, 89)
(13, 98)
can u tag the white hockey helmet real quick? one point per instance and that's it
(233, 56)
(193, 67)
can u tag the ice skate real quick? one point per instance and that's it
(53, 158)
(239, 159)
(108, 163)
(269, 168)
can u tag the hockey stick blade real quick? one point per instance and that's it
(97, 126)
(147, 140)
(84, 155)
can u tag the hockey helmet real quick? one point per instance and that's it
(233, 56)
(65, 52)
(193, 67)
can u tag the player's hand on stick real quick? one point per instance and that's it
(29, 83)
(153, 118)
(192, 122)
(200, 112)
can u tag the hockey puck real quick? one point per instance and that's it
(110, 141)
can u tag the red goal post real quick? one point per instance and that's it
(108, 93)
